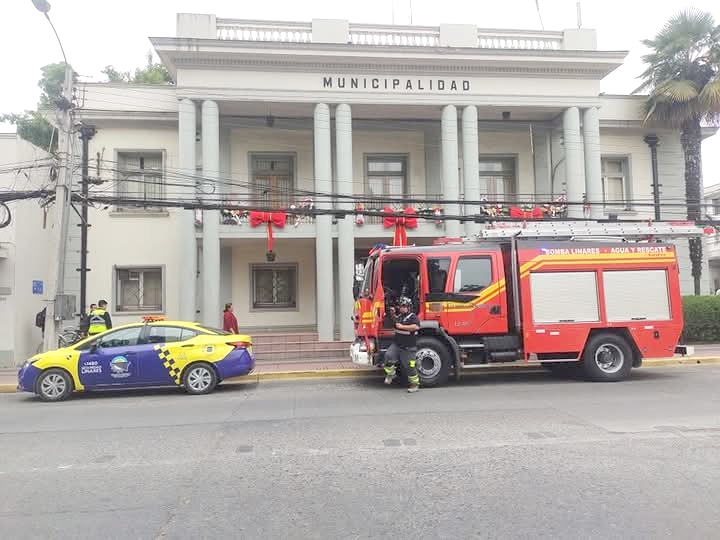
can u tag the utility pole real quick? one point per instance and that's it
(63, 190)
(57, 306)
(86, 133)
(652, 141)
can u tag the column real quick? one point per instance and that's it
(211, 218)
(574, 162)
(324, 293)
(346, 225)
(451, 180)
(186, 263)
(471, 167)
(593, 173)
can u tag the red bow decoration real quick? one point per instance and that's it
(271, 218)
(516, 212)
(400, 223)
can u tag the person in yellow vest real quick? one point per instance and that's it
(99, 319)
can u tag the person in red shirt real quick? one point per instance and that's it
(230, 323)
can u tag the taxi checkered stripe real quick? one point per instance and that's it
(169, 363)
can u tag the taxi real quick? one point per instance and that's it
(154, 352)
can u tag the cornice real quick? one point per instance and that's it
(578, 71)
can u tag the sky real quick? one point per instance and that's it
(96, 33)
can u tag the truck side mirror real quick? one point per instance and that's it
(356, 290)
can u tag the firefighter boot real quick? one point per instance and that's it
(390, 372)
(413, 378)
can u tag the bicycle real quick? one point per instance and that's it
(69, 336)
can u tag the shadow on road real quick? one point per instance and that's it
(223, 388)
(533, 378)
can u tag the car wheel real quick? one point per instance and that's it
(607, 358)
(432, 362)
(54, 385)
(199, 378)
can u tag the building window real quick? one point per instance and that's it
(386, 175)
(140, 178)
(498, 178)
(615, 180)
(273, 179)
(274, 287)
(715, 207)
(139, 289)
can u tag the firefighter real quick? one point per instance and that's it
(404, 346)
(99, 319)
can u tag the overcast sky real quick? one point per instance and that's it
(96, 33)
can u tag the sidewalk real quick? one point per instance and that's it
(703, 354)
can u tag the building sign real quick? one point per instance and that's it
(37, 286)
(426, 84)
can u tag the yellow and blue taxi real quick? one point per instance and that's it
(154, 352)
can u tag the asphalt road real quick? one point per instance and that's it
(499, 456)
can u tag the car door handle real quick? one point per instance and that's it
(495, 310)
(188, 345)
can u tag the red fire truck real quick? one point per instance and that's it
(564, 295)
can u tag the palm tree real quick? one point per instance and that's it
(683, 81)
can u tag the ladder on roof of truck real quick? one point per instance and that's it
(590, 229)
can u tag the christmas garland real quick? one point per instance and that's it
(556, 209)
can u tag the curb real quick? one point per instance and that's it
(359, 373)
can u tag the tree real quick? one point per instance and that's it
(32, 125)
(152, 73)
(683, 80)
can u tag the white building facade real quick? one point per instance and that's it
(272, 115)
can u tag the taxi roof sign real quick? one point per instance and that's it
(153, 318)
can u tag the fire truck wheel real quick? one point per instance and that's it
(607, 358)
(432, 361)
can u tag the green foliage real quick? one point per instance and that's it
(152, 73)
(682, 77)
(32, 125)
(702, 319)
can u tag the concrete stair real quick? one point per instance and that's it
(297, 347)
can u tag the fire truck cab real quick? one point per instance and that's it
(517, 295)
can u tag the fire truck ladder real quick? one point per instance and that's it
(593, 229)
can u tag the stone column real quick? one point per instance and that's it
(574, 162)
(187, 244)
(451, 180)
(593, 170)
(346, 226)
(324, 293)
(211, 218)
(471, 167)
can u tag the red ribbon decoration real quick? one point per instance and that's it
(400, 223)
(535, 213)
(271, 218)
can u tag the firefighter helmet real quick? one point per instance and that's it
(405, 301)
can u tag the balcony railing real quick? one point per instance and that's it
(282, 32)
(401, 36)
(516, 39)
(384, 35)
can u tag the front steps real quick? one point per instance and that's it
(297, 347)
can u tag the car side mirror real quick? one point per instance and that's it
(94, 347)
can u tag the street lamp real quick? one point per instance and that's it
(63, 190)
(43, 6)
